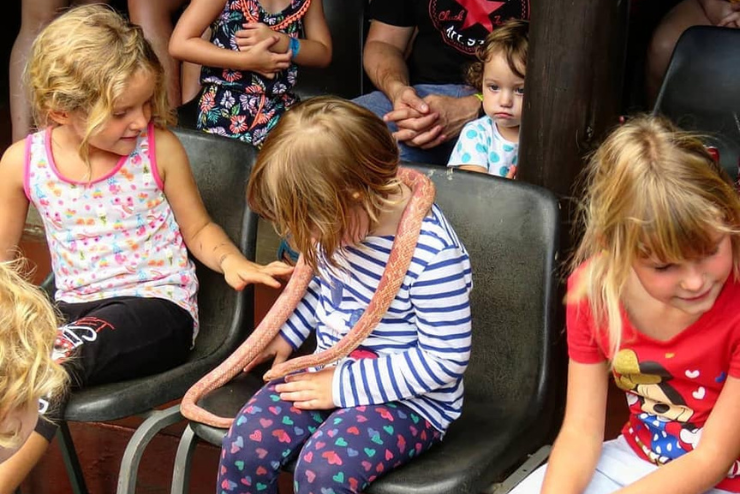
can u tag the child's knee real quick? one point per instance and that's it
(324, 471)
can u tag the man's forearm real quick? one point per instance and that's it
(386, 67)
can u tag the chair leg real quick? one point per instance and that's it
(71, 462)
(183, 461)
(157, 421)
(533, 462)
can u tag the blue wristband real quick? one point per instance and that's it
(295, 47)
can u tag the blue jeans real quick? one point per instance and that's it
(378, 103)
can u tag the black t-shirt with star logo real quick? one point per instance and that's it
(449, 32)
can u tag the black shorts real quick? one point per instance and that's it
(116, 339)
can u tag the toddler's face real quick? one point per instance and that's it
(503, 92)
(26, 420)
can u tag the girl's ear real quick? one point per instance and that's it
(59, 117)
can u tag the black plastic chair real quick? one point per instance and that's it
(343, 77)
(221, 168)
(510, 411)
(700, 89)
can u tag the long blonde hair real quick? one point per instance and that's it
(83, 61)
(28, 327)
(324, 158)
(652, 191)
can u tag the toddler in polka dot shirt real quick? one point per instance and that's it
(490, 144)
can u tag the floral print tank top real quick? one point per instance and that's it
(243, 104)
(115, 236)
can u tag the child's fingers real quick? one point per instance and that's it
(243, 278)
(308, 405)
(282, 59)
(279, 359)
(282, 270)
(266, 279)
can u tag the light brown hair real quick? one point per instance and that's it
(326, 157)
(510, 39)
(653, 191)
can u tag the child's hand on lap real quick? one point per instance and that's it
(309, 390)
(239, 272)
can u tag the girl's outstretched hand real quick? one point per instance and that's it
(309, 390)
(239, 272)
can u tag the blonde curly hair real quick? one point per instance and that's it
(28, 327)
(83, 61)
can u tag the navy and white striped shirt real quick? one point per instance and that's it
(423, 341)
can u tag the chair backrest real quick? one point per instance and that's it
(700, 89)
(510, 230)
(221, 167)
(344, 76)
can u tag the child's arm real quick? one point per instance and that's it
(204, 238)
(467, 154)
(13, 200)
(473, 168)
(440, 296)
(701, 469)
(578, 445)
(315, 49)
(437, 360)
(186, 43)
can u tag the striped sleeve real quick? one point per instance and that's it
(441, 305)
(303, 321)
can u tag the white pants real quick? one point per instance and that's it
(618, 466)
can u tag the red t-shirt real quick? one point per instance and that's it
(671, 386)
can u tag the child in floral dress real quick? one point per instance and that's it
(250, 63)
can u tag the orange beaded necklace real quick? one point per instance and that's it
(248, 5)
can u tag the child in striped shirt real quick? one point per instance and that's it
(327, 175)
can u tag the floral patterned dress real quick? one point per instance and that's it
(243, 104)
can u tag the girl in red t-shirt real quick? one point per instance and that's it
(653, 299)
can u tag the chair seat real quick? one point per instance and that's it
(123, 399)
(469, 462)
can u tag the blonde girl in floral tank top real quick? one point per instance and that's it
(112, 237)
(120, 208)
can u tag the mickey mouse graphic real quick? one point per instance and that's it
(664, 411)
